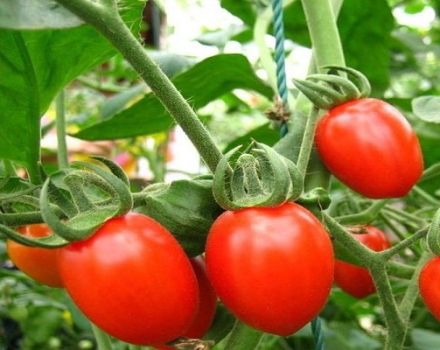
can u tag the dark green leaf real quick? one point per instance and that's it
(264, 134)
(242, 9)
(34, 66)
(35, 14)
(427, 108)
(203, 83)
(186, 208)
(345, 336)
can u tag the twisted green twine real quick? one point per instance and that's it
(277, 7)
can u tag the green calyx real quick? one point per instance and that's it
(433, 236)
(74, 202)
(87, 197)
(339, 85)
(257, 177)
(26, 208)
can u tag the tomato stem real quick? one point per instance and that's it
(364, 216)
(63, 161)
(109, 23)
(389, 253)
(324, 33)
(307, 143)
(393, 319)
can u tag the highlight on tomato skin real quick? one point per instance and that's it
(356, 280)
(133, 280)
(263, 263)
(41, 264)
(370, 147)
(429, 286)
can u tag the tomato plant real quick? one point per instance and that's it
(370, 147)
(41, 264)
(429, 286)
(133, 280)
(250, 178)
(356, 280)
(263, 264)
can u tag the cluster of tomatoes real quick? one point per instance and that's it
(272, 267)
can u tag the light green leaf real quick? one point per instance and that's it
(427, 108)
(35, 14)
(425, 340)
(203, 83)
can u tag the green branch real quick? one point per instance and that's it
(397, 248)
(364, 217)
(62, 153)
(393, 320)
(108, 22)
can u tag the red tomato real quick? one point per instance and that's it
(272, 267)
(356, 280)
(430, 287)
(133, 280)
(370, 147)
(41, 264)
(207, 304)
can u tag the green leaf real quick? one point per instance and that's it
(221, 326)
(203, 83)
(34, 66)
(427, 108)
(425, 340)
(344, 336)
(365, 29)
(36, 14)
(264, 134)
(170, 63)
(186, 208)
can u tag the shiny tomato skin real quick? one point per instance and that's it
(207, 304)
(356, 280)
(429, 286)
(271, 267)
(133, 280)
(370, 147)
(41, 264)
